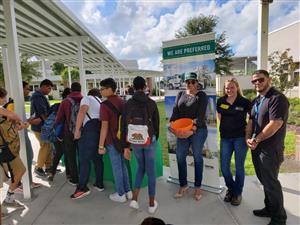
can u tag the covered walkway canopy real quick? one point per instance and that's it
(48, 30)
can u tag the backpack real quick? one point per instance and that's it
(140, 128)
(73, 116)
(48, 133)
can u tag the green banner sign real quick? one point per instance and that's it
(199, 48)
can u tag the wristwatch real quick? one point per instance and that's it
(101, 147)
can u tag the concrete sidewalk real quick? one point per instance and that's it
(52, 205)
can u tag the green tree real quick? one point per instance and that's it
(29, 68)
(206, 24)
(58, 68)
(74, 74)
(282, 69)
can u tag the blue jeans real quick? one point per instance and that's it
(146, 164)
(88, 151)
(183, 144)
(239, 147)
(119, 170)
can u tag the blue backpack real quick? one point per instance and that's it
(48, 133)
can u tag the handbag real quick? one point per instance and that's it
(5, 153)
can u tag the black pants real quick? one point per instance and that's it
(70, 149)
(267, 163)
(58, 153)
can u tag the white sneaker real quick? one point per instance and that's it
(129, 195)
(152, 209)
(117, 198)
(134, 204)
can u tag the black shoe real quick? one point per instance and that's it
(236, 200)
(277, 222)
(72, 182)
(261, 212)
(40, 172)
(48, 170)
(228, 196)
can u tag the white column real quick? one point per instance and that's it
(124, 85)
(159, 86)
(69, 76)
(44, 73)
(246, 66)
(81, 69)
(16, 80)
(8, 85)
(95, 83)
(262, 35)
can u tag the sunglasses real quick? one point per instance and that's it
(259, 80)
(190, 82)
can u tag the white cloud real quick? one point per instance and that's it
(136, 29)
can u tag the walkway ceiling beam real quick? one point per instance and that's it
(40, 40)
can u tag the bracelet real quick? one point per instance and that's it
(101, 147)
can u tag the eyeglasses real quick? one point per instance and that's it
(259, 80)
(190, 82)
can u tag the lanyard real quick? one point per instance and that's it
(257, 107)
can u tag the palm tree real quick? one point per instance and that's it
(206, 24)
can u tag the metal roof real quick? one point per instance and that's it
(48, 29)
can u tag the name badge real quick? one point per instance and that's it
(239, 108)
(224, 106)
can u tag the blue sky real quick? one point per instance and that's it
(136, 29)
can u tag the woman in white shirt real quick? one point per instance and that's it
(87, 132)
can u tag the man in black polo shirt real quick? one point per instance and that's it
(265, 135)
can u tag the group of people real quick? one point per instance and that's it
(259, 125)
(102, 122)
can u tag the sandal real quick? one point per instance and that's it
(182, 190)
(198, 194)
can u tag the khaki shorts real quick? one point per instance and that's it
(16, 165)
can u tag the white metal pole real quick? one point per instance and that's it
(124, 86)
(16, 79)
(8, 85)
(246, 66)
(81, 69)
(69, 76)
(262, 35)
(159, 86)
(44, 72)
(95, 83)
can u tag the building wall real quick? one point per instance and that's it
(286, 37)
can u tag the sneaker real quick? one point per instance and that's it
(261, 212)
(48, 170)
(134, 204)
(72, 182)
(40, 172)
(277, 222)
(129, 195)
(152, 209)
(228, 196)
(35, 185)
(98, 188)
(13, 204)
(236, 200)
(117, 198)
(80, 193)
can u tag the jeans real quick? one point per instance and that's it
(119, 170)
(267, 165)
(183, 144)
(239, 147)
(58, 153)
(29, 154)
(70, 147)
(88, 151)
(146, 163)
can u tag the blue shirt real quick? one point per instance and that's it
(39, 106)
